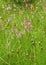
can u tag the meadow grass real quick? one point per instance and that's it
(23, 33)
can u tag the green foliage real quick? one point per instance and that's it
(22, 33)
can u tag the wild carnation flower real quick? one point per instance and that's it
(27, 25)
(8, 20)
(31, 6)
(9, 7)
(20, 33)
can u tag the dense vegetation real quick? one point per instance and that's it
(22, 32)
